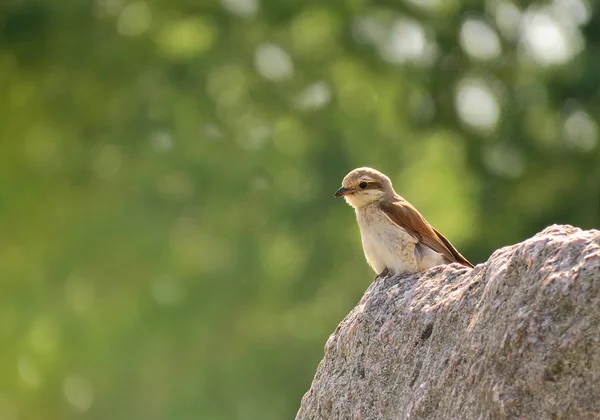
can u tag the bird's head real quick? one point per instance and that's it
(363, 186)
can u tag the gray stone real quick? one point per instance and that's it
(516, 337)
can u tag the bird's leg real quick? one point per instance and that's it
(384, 273)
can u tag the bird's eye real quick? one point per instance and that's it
(363, 185)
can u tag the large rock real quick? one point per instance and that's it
(517, 337)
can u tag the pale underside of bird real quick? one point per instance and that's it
(396, 238)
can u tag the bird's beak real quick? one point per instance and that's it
(342, 192)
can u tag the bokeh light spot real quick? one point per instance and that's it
(314, 96)
(79, 392)
(111, 7)
(427, 5)
(161, 141)
(212, 131)
(253, 134)
(576, 12)
(186, 38)
(406, 42)
(369, 30)
(504, 160)
(479, 40)
(508, 19)
(546, 40)
(273, 63)
(241, 8)
(227, 84)
(135, 19)
(476, 105)
(580, 130)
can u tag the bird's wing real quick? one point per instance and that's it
(457, 255)
(406, 216)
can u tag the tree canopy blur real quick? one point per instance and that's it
(170, 247)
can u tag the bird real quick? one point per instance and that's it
(396, 238)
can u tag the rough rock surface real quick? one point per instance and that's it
(517, 337)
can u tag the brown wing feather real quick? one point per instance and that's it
(457, 255)
(406, 216)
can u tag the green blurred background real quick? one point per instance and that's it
(169, 244)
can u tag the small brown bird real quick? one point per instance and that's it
(396, 238)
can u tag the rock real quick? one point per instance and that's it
(517, 337)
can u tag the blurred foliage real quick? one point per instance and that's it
(170, 247)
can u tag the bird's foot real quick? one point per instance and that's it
(385, 273)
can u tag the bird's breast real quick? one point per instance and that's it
(385, 244)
